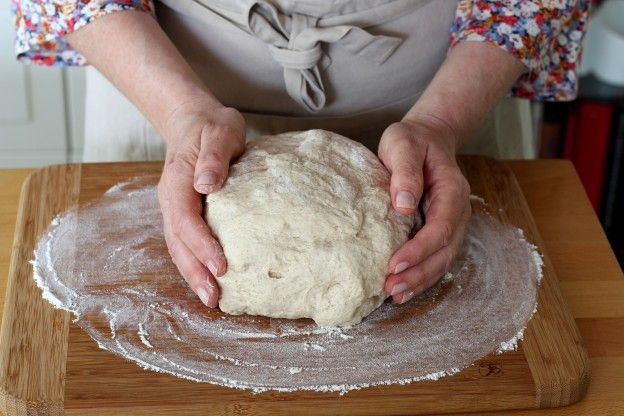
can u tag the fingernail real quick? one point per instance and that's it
(207, 179)
(203, 295)
(406, 297)
(401, 267)
(213, 268)
(405, 199)
(398, 288)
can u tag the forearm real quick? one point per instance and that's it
(472, 79)
(133, 52)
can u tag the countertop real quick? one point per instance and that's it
(590, 276)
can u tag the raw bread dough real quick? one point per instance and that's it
(307, 228)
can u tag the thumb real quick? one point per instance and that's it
(404, 158)
(219, 145)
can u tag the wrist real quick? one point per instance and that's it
(472, 79)
(443, 129)
(188, 112)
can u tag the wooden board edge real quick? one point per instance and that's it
(568, 370)
(523, 398)
(569, 355)
(11, 405)
(48, 407)
(36, 342)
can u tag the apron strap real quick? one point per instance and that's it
(294, 42)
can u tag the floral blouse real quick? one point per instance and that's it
(545, 34)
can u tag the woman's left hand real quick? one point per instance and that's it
(420, 155)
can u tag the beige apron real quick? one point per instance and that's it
(351, 66)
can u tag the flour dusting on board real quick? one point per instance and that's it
(107, 262)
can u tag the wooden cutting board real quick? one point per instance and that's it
(50, 366)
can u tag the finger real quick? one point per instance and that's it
(192, 230)
(404, 158)
(435, 235)
(417, 279)
(219, 145)
(184, 215)
(196, 275)
(422, 276)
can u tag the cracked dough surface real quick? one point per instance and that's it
(307, 228)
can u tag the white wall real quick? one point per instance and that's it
(41, 108)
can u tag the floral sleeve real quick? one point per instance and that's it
(545, 34)
(41, 24)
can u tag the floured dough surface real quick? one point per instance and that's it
(307, 227)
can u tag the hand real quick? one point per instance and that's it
(201, 141)
(420, 155)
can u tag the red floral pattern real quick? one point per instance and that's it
(545, 34)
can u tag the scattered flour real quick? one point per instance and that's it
(122, 276)
(142, 333)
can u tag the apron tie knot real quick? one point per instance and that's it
(294, 42)
(295, 59)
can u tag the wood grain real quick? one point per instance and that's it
(137, 392)
(580, 252)
(11, 181)
(33, 336)
(552, 345)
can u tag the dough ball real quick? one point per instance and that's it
(307, 227)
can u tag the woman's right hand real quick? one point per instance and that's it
(201, 142)
(202, 135)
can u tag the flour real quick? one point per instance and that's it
(112, 317)
(107, 263)
(143, 335)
